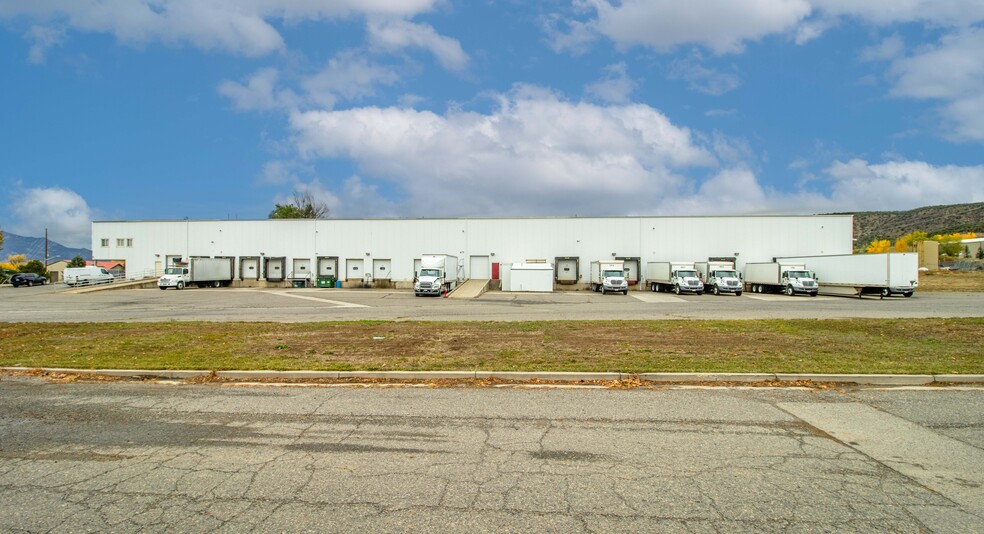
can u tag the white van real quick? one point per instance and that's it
(80, 276)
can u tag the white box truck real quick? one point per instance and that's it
(789, 277)
(719, 277)
(676, 276)
(887, 274)
(608, 276)
(438, 273)
(203, 272)
(83, 276)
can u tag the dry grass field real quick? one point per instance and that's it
(951, 281)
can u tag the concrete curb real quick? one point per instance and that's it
(873, 379)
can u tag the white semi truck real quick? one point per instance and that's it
(676, 276)
(608, 276)
(438, 273)
(203, 272)
(895, 273)
(789, 277)
(719, 277)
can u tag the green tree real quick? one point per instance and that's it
(301, 206)
(77, 261)
(1, 239)
(980, 253)
(33, 266)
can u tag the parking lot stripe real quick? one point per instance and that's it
(655, 298)
(337, 303)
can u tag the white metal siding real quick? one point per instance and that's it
(754, 239)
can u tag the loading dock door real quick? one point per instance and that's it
(302, 268)
(381, 269)
(567, 270)
(171, 260)
(631, 270)
(328, 266)
(249, 269)
(353, 268)
(479, 268)
(416, 267)
(275, 269)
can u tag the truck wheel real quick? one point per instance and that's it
(737, 293)
(626, 292)
(181, 285)
(716, 290)
(676, 290)
(789, 291)
(907, 294)
(653, 287)
(163, 288)
(885, 292)
(602, 290)
(813, 294)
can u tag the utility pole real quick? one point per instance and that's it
(46, 254)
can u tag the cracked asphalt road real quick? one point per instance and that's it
(143, 457)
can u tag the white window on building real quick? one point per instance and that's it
(104, 242)
(119, 241)
(129, 242)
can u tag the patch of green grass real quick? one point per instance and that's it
(817, 346)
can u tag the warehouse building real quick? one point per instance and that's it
(386, 252)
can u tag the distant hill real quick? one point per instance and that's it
(33, 248)
(871, 225)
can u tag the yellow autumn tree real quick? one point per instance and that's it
(16, 260)
(877, 246)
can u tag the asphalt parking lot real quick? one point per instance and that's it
(126, 457)
(56, 303)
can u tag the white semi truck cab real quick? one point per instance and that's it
(719, 277)
(438, 273)
(789, 278)
(608, 276)
(676, 276)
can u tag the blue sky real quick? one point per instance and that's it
(165, 109)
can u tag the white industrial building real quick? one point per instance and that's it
(275, 251)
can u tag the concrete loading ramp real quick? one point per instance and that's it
(471, 289)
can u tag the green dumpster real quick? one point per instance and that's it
(324, 281)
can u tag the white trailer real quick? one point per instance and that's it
(719, 277)
(894, 273)
(676, 276)
(608, 276)
(784, 276)
(203, 272)
(438, 273)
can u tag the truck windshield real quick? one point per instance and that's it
(172, 270)
(726, 274)
(613, 274)
(798, 274)
(687, 274)
(430, 272)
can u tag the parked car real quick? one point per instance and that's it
(27, 279)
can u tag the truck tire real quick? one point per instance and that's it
(737, 293)
(813, 294)
(716, 290)
(789, 291)
(654, 287)
(907, 294)
(602, 290)
(885, 292)
(626, 292)
(181, 285)
(676, 290)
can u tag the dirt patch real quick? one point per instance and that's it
(952, 281)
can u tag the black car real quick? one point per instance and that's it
(28, 279)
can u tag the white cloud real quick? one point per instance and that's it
(703, 79)
(63, 212)
(536, 153)
(725, 26)
(43, 37)
(347, 76)
(951, 72)
(903, 184)
(722, 26)
(259, 92)
(236, 26)
(396, 34)
(615, 87)
(890, 48)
